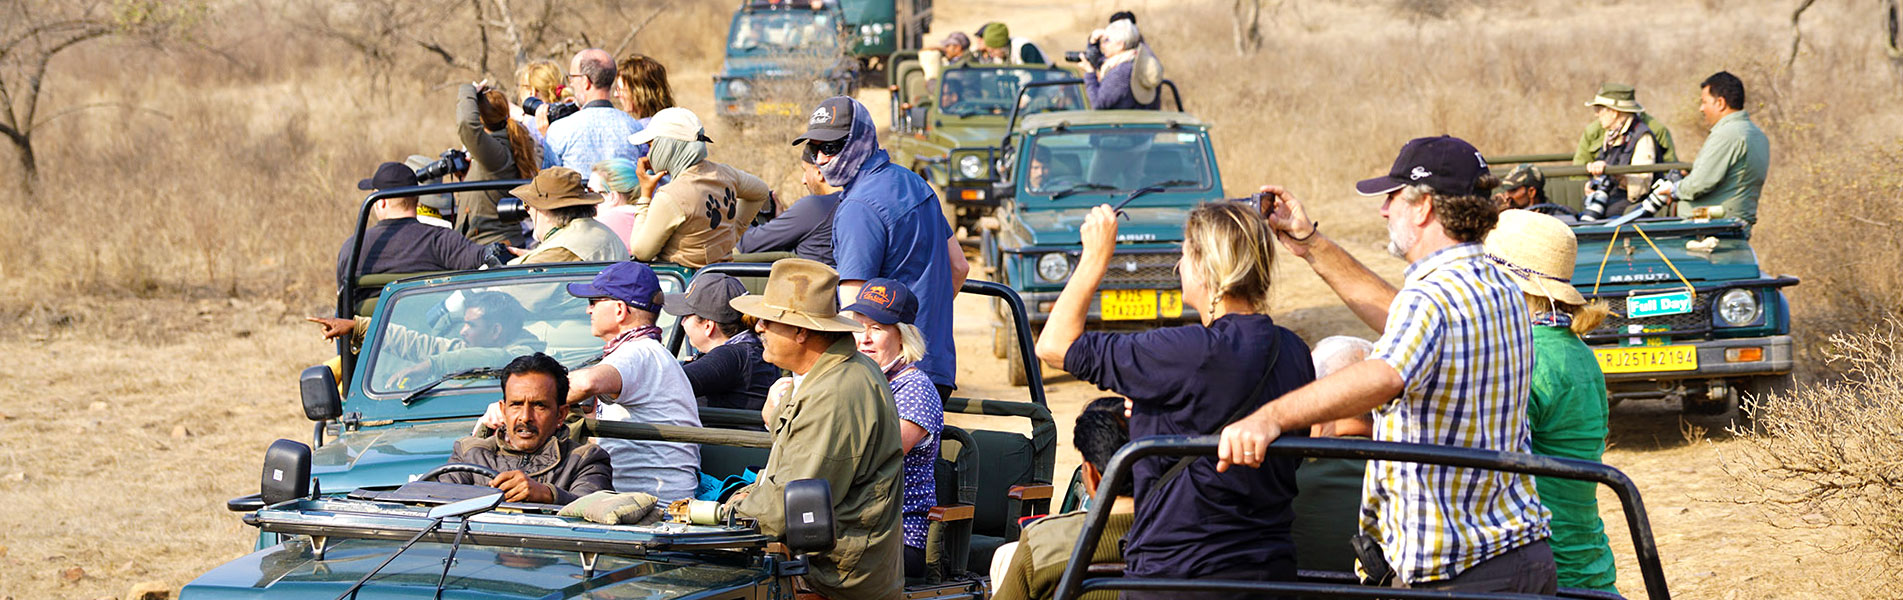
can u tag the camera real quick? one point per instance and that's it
(509, 209)
(556, 110)
(1092, 54)
(452, 161)
(1256, 201)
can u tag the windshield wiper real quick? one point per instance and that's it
(1175, 183)
(463, 374)
(1138, 193)
(1079, 189)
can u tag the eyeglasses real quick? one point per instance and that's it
(832, 148)
(593, 301)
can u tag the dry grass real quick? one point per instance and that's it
(169, 239)
(1833, 454)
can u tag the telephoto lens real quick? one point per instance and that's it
(510, 209)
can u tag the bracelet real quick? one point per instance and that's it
(1313, 229)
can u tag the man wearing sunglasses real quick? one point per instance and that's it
(888, 224)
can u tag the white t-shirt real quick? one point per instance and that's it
(654, 390)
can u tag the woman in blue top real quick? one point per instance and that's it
(887, 309)
(1191, 380)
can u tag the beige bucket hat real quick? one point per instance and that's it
(1617, 96)
(1538, 252)
(799, 292)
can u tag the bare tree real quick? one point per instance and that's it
(34, 32)
(1248, 25)
(465, 37)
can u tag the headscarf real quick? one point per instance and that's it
(676, 156)
(861, 143)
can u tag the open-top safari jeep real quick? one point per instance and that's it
(1695, 319)
(329, 512)
(1081, 576)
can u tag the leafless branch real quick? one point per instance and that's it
(638, 26)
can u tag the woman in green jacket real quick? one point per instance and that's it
(1567, 410)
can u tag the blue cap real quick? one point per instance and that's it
(631, 282)
(886, 301)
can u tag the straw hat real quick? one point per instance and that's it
(801, 293)
(1619, 97)
(1538, 252)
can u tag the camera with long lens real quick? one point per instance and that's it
(556, 110)
(509, 209)
(1092, 54)
(1598, 193)
(452, 161)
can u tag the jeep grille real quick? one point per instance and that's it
(1699, 319)
(1142, 270)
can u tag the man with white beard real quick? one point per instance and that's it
(1452, 367)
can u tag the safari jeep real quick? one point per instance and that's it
(1694, 318)
(358, 504)
(783, 57)
(948, 126)
(1155, 165)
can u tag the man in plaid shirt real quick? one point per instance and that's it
(1451, 367)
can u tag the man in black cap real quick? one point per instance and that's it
(1452, 367)
(730, 372)
(398, 243)
(888, 224)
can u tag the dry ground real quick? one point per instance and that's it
(128, 416)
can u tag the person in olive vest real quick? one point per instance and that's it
(563, 210)
(1621, 134)
(697, 218)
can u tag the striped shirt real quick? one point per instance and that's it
(1459, 335)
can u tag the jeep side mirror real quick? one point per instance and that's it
(809, 516)
(319, 389)
(287, 472)
(1003, 190)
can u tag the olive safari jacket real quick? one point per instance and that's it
(842, 426)
(574, 470)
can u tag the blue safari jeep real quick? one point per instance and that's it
(783, 58)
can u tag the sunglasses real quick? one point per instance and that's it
(832, 148)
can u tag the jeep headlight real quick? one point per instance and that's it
(738, 88)
(1053, 267)
(971, 166)
(1738, 308)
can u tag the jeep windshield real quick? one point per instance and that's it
(781, 31)
(986, 91)
(1089, 165)
(452, 336)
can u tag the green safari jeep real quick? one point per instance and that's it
(949, 130)
(339, 509)
(1156, 165)
(1695, 319)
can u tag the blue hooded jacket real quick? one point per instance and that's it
(888, 224)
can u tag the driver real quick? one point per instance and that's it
(1041, 177)
(491, 333)
(536, 460)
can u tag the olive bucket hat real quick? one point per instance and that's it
(1617, 96)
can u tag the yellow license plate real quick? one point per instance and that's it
(1645, 360)
(1172, 301)
(1131, 305)
(782, 109)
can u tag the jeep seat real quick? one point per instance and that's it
(948, 536)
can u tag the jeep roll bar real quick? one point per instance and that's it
(972, 286)
(1073, 584)
(347, 290)
(1011, 126)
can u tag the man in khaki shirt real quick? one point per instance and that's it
(698, 217)
(834, 419)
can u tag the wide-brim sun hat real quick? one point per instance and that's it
(1617, 96)
(802, 293)
(1538, 252)
(555, 187)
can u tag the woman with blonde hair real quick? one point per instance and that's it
(1566, 410)
(888, 311)
(542, 80)
(1192, 521)
(621, 205)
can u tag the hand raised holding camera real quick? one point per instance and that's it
(1289, 220)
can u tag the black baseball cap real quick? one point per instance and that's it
(708, 297)
(389, 175)
(1447, 164)
(831, 122)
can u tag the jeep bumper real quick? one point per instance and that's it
(1716, 360)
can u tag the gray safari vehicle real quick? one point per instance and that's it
(356, 513)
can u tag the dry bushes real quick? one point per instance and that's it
(1832, 454)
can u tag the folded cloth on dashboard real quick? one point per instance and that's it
(615, 508)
